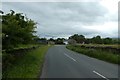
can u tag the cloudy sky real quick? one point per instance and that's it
(62, 18)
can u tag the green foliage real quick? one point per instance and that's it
(16, 29)
(7, 59)
(96, 53)
(59, 41)
(29, 66)
(78, 38)
(51, 39)
(10, 56)
(107, 41)
(95, 40)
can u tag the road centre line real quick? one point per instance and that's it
(100, 75)
(69, 57)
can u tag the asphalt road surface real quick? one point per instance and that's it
(63, 63)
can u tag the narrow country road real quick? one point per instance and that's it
(63, 63)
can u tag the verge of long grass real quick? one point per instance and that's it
(99, 54)
(28, 66)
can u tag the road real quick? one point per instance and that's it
(63, 63)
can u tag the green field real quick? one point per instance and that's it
(28, 66)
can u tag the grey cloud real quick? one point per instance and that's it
(61, 18)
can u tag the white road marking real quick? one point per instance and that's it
(100, 75)
(70, 57)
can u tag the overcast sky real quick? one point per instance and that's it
(63, 19)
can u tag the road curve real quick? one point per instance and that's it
(63, 63)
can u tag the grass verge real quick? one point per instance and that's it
(28, 66)
(96, 53)
(102, 45)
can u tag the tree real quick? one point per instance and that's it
(78, 38)
(87, 41)
(81, 39)
(17, 29)
(97, 40)
(107, 41)
(59, 41)
(51, 39)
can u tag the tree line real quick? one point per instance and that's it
(82, 40)
(95, 40)
(45, 41)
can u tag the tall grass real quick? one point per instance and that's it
(28, 66)
(103, 45)
(96, 53)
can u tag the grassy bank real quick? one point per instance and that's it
(10, 56)
(28, 66)
(96, 53)
(102, 45)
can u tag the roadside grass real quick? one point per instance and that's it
(96, 53)
(102, 45)
(28, 66)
